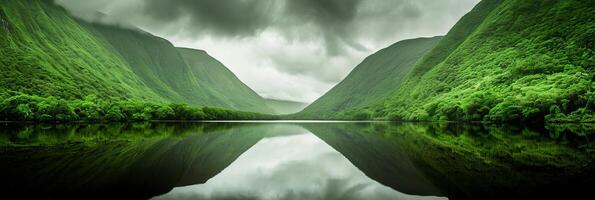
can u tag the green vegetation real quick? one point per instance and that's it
(282, 107)
(179, 75)
(24, 107)
(469, 161)
(526, 62)
(116, 160)
(370, 82)
(51, 57)
(222, 86)
(46, 52)
(506, 61)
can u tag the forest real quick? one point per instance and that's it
(24, 107)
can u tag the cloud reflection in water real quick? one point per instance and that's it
(290, 167)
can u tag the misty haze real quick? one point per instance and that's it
(297, 99)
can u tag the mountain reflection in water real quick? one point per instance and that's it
(290, 167)
(295, 161)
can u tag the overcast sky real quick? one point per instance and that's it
(283, 49)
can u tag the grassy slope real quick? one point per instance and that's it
(46, 52)
(283, 107)
(373, 80)
(154, 60)
(223, 87)
(509, 60)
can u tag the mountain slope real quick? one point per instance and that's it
(178, 74)
(223, 87)
(154, 60)
(373, 80)
(283, 107)
(507, 60)
(47, 52)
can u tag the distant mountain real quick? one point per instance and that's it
(223, 87)
(47, 52)
(505, 61)
(372, 81)
(282, 107)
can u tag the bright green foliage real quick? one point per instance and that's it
(178, 74)
(505, 61)
(370, 82)
(51, 109)
(524, 59)
(456, 36)
(46, 52)
(154, 60)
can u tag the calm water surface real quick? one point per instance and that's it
(295, 160)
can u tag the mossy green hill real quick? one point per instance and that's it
(505, 61)
(371, 82)
(47, 52)
(222, 87)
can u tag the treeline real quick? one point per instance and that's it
(23, 107)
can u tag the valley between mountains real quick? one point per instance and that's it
(510, 61)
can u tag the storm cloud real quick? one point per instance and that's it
(227, 18)
(304, 46)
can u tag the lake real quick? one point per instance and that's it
(295, 160)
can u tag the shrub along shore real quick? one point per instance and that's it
(23, 107)
(32, 108)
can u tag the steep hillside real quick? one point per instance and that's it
(283, 107)
(222, 87)
(46, 52)
(507, 60)
(372, 81)
(154, 60)
(180, 75)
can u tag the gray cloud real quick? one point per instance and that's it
(331, 19)
(228, 18)
(311, 41)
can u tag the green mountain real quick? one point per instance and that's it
(506, 61)
(47, 52)
(283, 107)
(223, 87)
(372, 81)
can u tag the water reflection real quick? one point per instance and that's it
(470, 161)
(116, 161)
(295, 161)
(290, 167)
